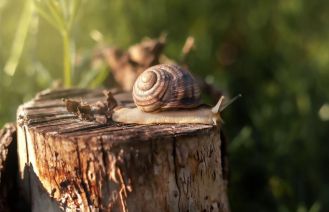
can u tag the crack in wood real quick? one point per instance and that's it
(106, 165)
(83, 184)
(175, 171)
(27, 166)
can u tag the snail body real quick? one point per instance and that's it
(200, 115)
(167, 94)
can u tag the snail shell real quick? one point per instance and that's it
(166, 87)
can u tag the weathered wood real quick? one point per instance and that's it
(69, 164)
(7, 143)
(10, 200)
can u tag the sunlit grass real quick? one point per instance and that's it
(19, 39)
(61, 14)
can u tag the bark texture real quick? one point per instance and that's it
(69, 164)
(10, 200)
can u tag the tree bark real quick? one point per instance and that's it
(7, 165)
(69, 164)
(10, 200)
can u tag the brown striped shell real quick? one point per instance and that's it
(166, 87)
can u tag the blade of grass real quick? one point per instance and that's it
(74, 13)
(67, 60)
(19, 39)
(57, 15)
(100, 78)
(64, 8)
(3, 3)
(87, 77)
(94, 78)
(47, 17)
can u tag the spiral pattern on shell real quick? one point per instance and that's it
(166, 87)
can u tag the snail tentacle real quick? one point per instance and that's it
(217, 107)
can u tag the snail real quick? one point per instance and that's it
(168, 94)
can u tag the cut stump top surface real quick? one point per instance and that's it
(47, 114)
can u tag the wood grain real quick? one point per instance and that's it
(69, 164)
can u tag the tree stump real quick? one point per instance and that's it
(9, 200)
(69, 164)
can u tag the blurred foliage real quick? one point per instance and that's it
(276, 53)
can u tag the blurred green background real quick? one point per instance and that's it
(276, 53)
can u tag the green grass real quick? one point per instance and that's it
(61, 14)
